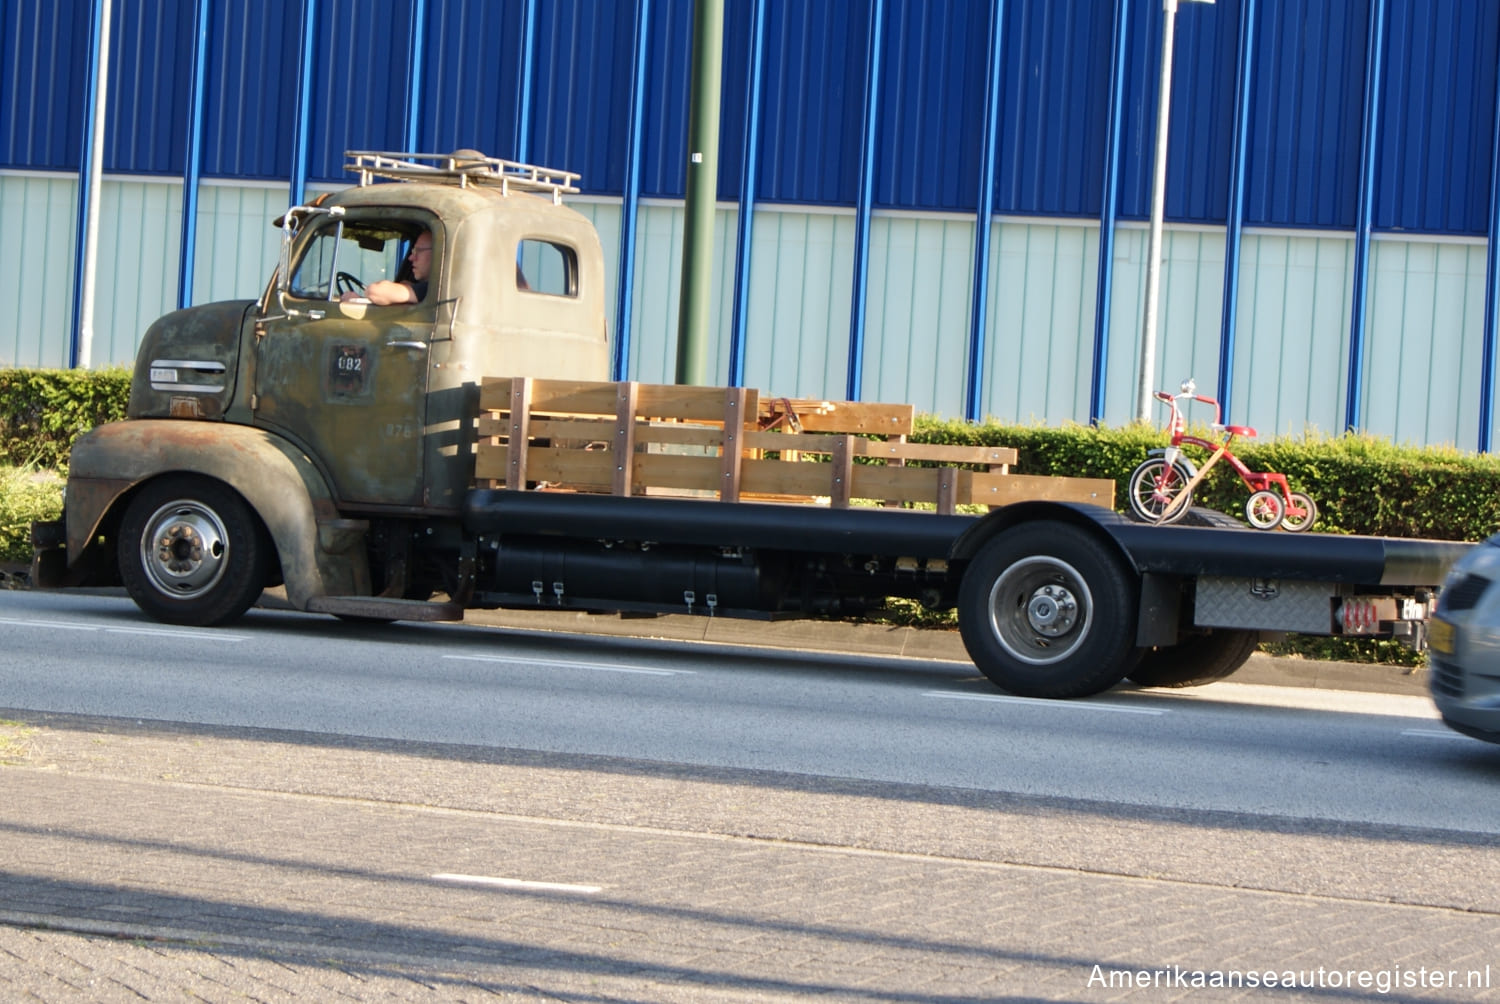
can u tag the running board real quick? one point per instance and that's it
(379, 608)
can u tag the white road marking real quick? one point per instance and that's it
(155, 632)
(60, 625)
(1435, 734)
(510, 883)
(178, 633)
(603, 667)
(955, 695)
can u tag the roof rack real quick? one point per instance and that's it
(462, 168)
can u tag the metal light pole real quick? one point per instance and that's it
(702, 192)
(1158, 209)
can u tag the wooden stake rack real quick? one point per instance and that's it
(635, 438)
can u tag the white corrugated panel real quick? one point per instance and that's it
(1039, 347)
(1425, 324)
(658, 284)
(140, 230)
(1188, 310)
(1292, 333)
(237, 245)
(801, 287)
(36, 315)
(917, 312)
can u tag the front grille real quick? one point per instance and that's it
(1447, 679)
(1463, 594)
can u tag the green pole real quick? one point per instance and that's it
(702, 192)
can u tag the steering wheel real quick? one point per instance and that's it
(346, 283)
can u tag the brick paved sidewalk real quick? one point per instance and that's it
(175, 863)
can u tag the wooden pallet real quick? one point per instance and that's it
(635, 438)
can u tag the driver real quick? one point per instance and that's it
(384, 292)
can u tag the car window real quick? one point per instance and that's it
(547, 267)
(344, 255)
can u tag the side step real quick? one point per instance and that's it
(379, 608)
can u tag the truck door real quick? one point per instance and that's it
(348, 380)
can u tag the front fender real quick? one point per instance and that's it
(280, 483)
(1181, 459)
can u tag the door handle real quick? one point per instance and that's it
(406, 345)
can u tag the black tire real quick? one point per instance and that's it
(1197, 659)
(1048, 610)
(192, 552)
(1297, 524)
(1149, 499)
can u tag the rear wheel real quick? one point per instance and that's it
(1154, 486)
(1197, 659)
(192, 552)
(1298, 523)
(1047, 610)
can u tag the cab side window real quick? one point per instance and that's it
(343, 255)
(547, 268)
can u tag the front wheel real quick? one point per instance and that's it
(191, 552)
(1048, 610)
(1154, 486)
(1264, 510)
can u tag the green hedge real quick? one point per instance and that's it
(1361, 484)
(43, 411)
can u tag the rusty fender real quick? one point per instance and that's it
(317, 549)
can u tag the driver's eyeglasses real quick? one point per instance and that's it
(422, 250)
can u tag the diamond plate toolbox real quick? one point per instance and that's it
(1264, 604)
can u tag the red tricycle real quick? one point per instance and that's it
(1161, 488)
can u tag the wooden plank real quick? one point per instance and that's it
(520, 433)
(494, 393)
(844, 416)
(601, 430)
(623, 445)
(597, 397)
(947, 489)
(941, 453)
(777, 477)
(843, 471)
(731, 454)
(1003, 489)
(675, 434)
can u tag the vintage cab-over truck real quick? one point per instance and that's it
(469, 446)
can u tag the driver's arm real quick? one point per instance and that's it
(383, 293)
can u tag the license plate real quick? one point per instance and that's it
(1440, 636)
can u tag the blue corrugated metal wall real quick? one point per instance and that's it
(1439, 103)
(1431, 171)
(41, 100)
(252, 89)
(471, 77)
(1305, 114)
(1308, 78)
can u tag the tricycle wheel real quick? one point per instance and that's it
(1154, 486)
(1047, 610)
(1297, 523)
(1197, 659)
(1264, 510)
(192, 552)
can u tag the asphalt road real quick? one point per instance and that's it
(1306, 754)
(298, 809)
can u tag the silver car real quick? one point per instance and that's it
(1464, 642)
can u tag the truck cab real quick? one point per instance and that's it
(314, 392)
(382, 398)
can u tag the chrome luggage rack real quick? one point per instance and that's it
(462, 168)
